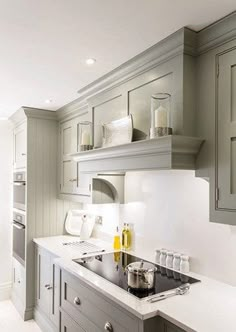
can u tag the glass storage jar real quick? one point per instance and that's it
(85, 136)
(160, 115)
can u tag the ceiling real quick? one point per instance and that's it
(44, 44)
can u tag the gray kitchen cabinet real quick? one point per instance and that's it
(84, 309)
(169, 327)
(92, 311)
(20, 146)
(72, 183)
(47, 288)
(68, 325)
(226, 132)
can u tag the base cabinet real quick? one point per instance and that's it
(48, 287)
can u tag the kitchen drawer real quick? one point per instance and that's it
(68, 325)
(84, 303)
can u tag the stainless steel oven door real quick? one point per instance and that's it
(19, 241)
(19, 191)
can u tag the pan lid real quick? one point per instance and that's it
(141, 267)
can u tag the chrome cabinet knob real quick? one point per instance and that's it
(48, 287)
(108, 327)
(73, 180)
(77, 300)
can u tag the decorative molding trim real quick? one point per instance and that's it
(217, 34)
(169, 152)
(181, 42)
(72, 109)
(29, 112)
(5, 290)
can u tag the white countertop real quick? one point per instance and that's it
(208, 307)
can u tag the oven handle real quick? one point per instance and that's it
(18, 226)
(19, 183)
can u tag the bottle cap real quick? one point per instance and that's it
(184, 257)
(170, 253)
(163, 251)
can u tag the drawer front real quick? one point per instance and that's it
(68, 325)
(82, 302)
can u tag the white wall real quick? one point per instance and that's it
(170, 209)
(5, 207)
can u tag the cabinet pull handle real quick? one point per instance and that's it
(77, 300)
(23, 154)
(108, 327)
(48, 287)
(73, 180)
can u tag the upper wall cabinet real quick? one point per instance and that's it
(70, 181)
(226, 132)
(20, 146)
(216, 116)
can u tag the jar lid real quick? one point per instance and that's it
(177, 255)
(163, 251)
(141, 267)
(184, 257)
(170, 253)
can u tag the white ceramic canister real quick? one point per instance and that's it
(163, 257)
(176, 262)
(157, 256)
(184, 264)
(169, 259)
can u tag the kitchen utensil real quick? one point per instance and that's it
(141, 275)
(181, 290)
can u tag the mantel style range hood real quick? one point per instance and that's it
(168, 152)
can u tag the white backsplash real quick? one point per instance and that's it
(170, 209)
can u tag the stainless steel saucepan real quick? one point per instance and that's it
(141, 275)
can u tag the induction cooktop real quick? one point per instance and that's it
(111, 266)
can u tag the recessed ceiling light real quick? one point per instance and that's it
(48, 101)
(90, 61)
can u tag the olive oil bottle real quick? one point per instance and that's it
(126, 237)
(116, 242)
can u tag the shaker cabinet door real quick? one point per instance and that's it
(20, 146)
(226, 133)
(69, 178)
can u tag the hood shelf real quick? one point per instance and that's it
(168, 152)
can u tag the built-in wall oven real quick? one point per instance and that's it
(19, 236)
(19, 190)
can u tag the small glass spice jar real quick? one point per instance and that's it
(163, 257)
(169, 259)
(160, 115)
(176, 262)
(85, 136)
(184, 264)
(157, 256)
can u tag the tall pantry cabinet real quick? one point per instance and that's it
(35, 151)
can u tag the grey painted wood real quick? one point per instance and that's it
(19, 146)
(206, 120)
(93, 308)
(47, 287)
(217, 34)
(226, 132)
(68, 325)
(169, 152)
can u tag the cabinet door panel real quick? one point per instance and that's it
(68, 325)
(20, 146)
(226, 140)
(43, 280)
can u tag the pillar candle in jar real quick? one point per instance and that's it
(161, 117)
(85, 139)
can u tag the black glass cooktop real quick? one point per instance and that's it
(112, 267)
